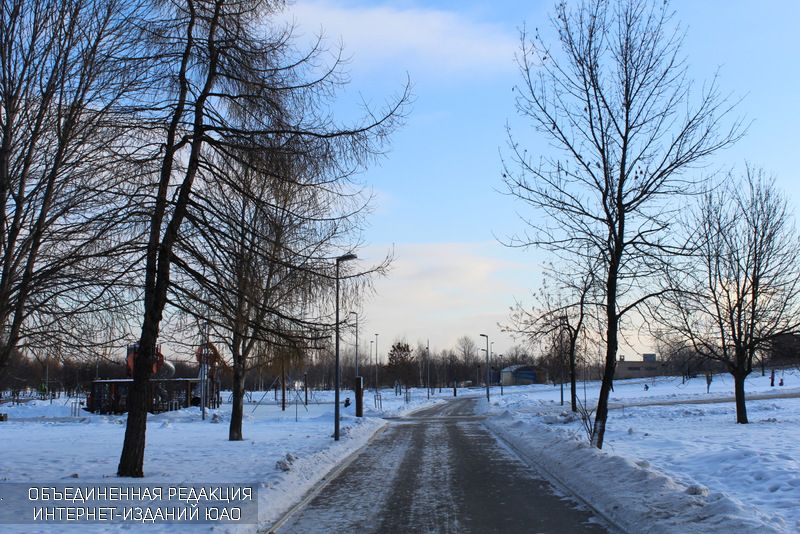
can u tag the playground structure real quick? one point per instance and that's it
(212, 364)
(164, 392)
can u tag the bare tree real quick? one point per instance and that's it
(64, 90)
(560, 319)
(255, 259)
(467, 349)
(678, 354)
(231, 264)
(614, 100)
(741, 288)
(231, 83)
(517, 355)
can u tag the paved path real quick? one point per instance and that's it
(439, 471)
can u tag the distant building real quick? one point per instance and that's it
(649, 366)
(518, 375)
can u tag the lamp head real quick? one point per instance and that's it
(346, 257)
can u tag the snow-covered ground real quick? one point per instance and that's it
(670, 462)
(284, 452)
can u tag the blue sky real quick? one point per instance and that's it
(438, 202)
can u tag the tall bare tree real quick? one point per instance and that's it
(741, 288)
(232, 83)
(64, 100)
(614, 100)
(255, 258)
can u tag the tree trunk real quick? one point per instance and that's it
(605, 389)
(599, 430)
(573, 380)
(237, 408)
(131, 461)
(573, 374)
(283, 383)
(156, 281)
(160, 255)
(741, 407)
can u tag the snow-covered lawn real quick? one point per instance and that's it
(283, 453)
(669, 465)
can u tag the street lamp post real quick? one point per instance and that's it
(428, 361)
(371, 342)
(356, 314)
(339, 260)
(491, 353)
(376, 363)
(487, 365)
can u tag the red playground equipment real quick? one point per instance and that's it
(159, 369)
(164, 392)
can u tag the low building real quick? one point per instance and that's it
(647, 367)
(518, 375)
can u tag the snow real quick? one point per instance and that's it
(674, 459)
(671, 461)
(284, 452)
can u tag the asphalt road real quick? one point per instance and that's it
(439, 471)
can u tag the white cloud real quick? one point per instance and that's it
(437, 41)
(441, 291)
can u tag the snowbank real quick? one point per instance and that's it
(671, 467)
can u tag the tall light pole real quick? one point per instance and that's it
(376, 363)
(491, 352)
(371, 342)
(428, 361)
(487, 365)
(340, 259)
(356, 314)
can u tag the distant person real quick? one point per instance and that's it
(646, 387)
(781, 382)
(709, 379)
(772, 379)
